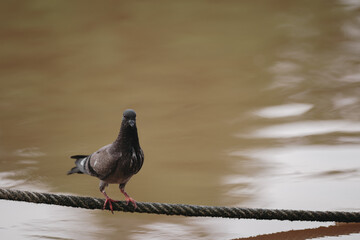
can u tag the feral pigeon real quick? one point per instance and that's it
(117, 162)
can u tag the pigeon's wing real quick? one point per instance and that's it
(137, 160)
(102, 163)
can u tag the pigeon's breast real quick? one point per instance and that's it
(128, 164)
(120, 174)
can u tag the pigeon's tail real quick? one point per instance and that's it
(80, 162)
(74, 170)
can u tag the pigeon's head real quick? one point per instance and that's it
(129, 117)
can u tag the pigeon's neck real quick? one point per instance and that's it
(127, 139)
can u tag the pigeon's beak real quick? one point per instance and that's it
(131, 123)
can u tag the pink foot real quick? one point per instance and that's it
(110, 201)
(129, 199)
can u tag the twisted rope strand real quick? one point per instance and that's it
(180, 209)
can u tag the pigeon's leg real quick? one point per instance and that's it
(103, 185)
(127, 197)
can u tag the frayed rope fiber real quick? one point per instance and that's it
(180, 209)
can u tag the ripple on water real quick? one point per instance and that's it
(29, 152)
(307, 128)
(308, 160)
(286, 110)
(19, 179)
(308, 176)
(27, 220)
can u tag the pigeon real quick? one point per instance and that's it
(115, 163)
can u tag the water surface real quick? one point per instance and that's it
(252, 104)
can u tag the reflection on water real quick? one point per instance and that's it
(287, 110)
(29, 152)
(336, 230)
(306, 128)
(206, 228)
(24, 221)
(246, 103)
(305, 177)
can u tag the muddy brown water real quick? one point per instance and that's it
(239, 103)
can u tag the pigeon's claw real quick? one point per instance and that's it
(129, 199)
(110, 201)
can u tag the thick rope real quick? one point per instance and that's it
(180, 209)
